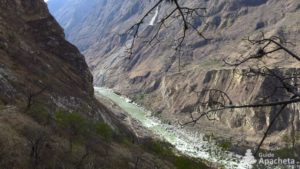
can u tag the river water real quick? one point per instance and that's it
(191, 144)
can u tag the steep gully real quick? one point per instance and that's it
(188, 143)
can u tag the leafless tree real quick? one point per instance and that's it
(183, 13)
(31, 94)
(217, 101)
(136, 163)
(84, 157)
(37, 139)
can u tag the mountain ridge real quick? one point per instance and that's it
(150, 77)
(49, 116)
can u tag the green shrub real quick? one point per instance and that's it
(104, 130)
(126, 141)
(73, 124)
(140, 97)
(39, 113)
(71, 120)
(160, 148)
(165, 151)
(81, 128)
(286, 138)
(182, 162)
(225, 145)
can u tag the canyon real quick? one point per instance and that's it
(79, 89)
(49, 115)
(154, 78)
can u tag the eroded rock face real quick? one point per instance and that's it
(47, 102)
(35, 55)
(183, 97)
(37, 60)
(152, 72)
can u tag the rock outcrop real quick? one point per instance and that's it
(36, 57)
(151, 74)
(177, 97)
(49, 117)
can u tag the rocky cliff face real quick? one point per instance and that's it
(177, 97)
(151, 76)
(35, 56)
(49, 117)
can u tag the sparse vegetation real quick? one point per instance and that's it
(80, 129)
(39, 113)
(72, 122)
(289, 152)
(166, 151)
(287, 139)
(83, 135)
(126, 141)
(182, 162)
(140, 97)
(160, 148)
(43, 138)
(37, 140)
(48, 116)
(104, 130)
(224, 144)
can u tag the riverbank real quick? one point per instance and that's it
(152, 142)
(121, 115)
(192, 144)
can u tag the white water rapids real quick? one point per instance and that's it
(188, 143)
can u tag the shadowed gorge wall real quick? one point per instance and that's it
(49, 117)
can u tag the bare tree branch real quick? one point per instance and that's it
(218, 101)
(185, 15)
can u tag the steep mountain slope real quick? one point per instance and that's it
(35, 55)
(227, 23)
(49, 117)
(151, 75)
